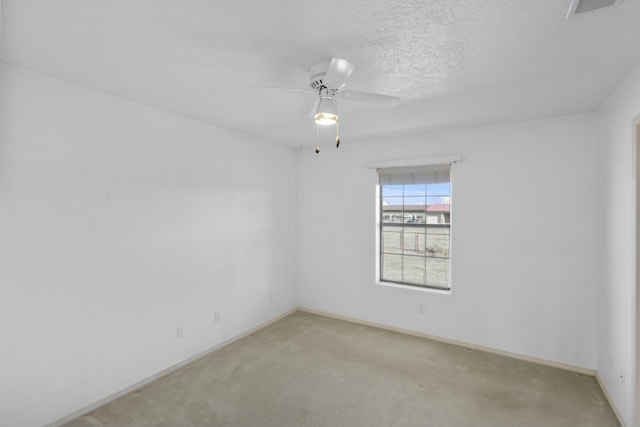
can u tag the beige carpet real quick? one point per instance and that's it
(309, 370)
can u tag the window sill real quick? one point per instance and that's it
(414, 288)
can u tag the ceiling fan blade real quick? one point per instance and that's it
(371, 98)
(314, 109)
(286, 89)
(337, 73)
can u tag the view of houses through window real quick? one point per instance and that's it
(415, 225)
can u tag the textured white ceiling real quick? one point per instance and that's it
(456, 63)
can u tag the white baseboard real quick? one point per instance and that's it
(566, 367)
(610, 400)
(164, 372)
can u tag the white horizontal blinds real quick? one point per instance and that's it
(432, 174)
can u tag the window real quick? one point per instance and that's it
(415, 225)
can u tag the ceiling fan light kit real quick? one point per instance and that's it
(327, 111)
(326, 119)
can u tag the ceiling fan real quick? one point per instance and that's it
(328, 81)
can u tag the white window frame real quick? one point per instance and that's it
(439, 160)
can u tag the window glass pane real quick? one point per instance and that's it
(437, 272)
(393, 201)
(391, 241)
(391, 268)
(392, 191)
(437, 242)
(415, 196)
(443, 189)
(413, 241)
(393, 213)
(413, 270)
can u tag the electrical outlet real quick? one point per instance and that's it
(270, 297)
(422, 309)
(216, 317)
(179, 332)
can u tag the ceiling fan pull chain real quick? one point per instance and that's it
(337, 136)
(317, 143)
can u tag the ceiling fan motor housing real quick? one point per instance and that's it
(328, 79)
(316, 75)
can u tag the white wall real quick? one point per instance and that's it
(616, 285)
(523, 238)
(0, 28)
(119, 222)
